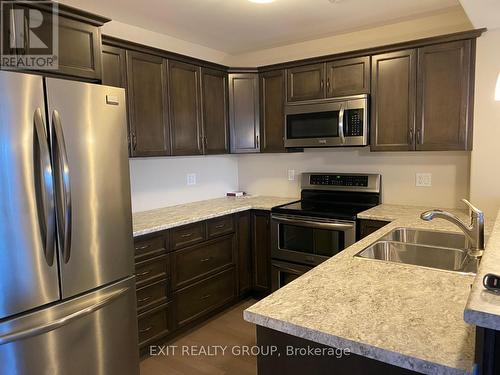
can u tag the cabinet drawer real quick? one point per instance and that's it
(188, 235)
(150, 246)
(154, 324)
(198, 261)
(151, 270)
(204, 296)
(152, 295)
(220, 226)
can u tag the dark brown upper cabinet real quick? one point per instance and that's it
(272, 95)
(422, 99)
(348, 77)
(306, 82)
(444, 97)
(393, 101)
(185, 123)
(114, 67)
(244, 112)
(214, 111)
(79, 39)
(148, 105)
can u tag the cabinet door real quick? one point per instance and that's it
(261, 251)
(214, 111)
(244, 112)
(306, 82)
(444, 105)
(244, 252)
(79, 50)
(185, 109)
(272, 86)
(113, 66)
(393, 101)
(147, 97)
(348, 77)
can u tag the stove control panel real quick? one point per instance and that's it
(338, 180)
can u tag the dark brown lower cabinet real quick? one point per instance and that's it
(279, 362)
(367, 227)
(194, 263)
(204, 296)
(154, 325)
(244, 240)
(261, 251)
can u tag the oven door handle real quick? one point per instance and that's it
(315, 224)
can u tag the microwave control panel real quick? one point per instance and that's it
(354, 126)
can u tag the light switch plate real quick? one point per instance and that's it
(291, 175)
(423, 179)
(191, 179)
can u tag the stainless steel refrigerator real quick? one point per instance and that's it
(67, 294)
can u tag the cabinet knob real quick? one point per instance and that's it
(419, 136)
(410, 136)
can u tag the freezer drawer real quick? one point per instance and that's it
(92, 334)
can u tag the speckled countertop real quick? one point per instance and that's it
(483, 307)
(168, 217)
(408, 316)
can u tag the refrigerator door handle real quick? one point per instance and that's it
(63, 190)
(67, 319)
(44, 187)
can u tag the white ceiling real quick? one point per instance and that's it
(236, 26)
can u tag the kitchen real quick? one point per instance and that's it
(129, 257)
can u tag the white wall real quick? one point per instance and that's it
(485, 159)
(162, 41)
(267, 173)
(161, 182)
(447, 21)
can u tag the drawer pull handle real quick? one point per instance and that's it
(186, 235)
(146, 329)
(143, 273)
(220, 226)
(205, 260)
(142, 300)
(205, 297)
(143, 247)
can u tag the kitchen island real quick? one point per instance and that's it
(407, 316)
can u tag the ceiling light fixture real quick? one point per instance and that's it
(261, 1)
(497, 89)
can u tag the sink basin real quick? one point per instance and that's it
(427, 237)
(430, 249)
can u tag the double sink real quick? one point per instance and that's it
(430, 249)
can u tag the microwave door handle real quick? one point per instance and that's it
(341, 124)
(316, 224)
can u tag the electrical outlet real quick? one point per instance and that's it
(291, 175)
(191, 179)
(423, 179)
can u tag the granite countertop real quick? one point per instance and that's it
(408, 316)
(483, 307)
(169, 217)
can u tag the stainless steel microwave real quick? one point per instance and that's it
(327, 123)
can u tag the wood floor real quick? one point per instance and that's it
(226, 329)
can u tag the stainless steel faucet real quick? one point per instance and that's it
(473, 231)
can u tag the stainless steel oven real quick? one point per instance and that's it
(309, 240)
(326, 123)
